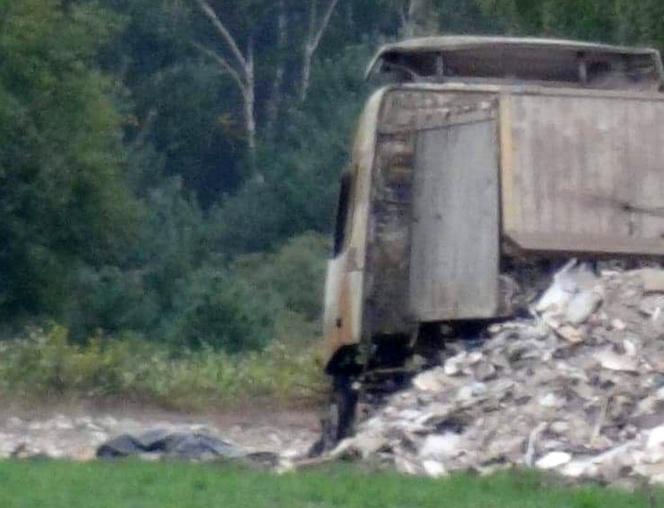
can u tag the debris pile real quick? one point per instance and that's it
(577, 389)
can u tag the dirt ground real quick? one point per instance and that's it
(74, 431)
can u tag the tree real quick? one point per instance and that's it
(64, 202)
(179, 115)
(416, 18)
(317, 27)
(302, 168)
(600, 20)
(422, 18)
(240, 65)
(277, 93)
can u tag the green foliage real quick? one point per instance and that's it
(125, 206)
(177, 290)
(596, 20)
(254, 299)
(302, 165)
(289, 284)
(217, 309)
(170, 485)
(46, 365)
(294, 274)
(63, 201)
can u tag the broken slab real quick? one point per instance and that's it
(652, 280)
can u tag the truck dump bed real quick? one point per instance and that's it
(462, 172)
(485, 156)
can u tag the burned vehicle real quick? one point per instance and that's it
(482, 162)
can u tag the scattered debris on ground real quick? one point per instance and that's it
(577, 389)
(257, 437)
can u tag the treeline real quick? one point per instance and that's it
(168, 168)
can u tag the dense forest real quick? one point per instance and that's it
(168, 168)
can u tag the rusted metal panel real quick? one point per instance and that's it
(582, 167)
(455, 246)
(408, 110)
(405, 114)
(338, 312)
(505, 60)
(588, 244)
(345, 284)
(388, 258)
(451, 113)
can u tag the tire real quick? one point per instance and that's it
(339, 422)
(343, 407)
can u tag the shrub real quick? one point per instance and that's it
(216, 309)
(44, 364)
(296, 272)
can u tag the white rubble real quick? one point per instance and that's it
(554, 460)
(577, 389)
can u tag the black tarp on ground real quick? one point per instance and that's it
(179, 445)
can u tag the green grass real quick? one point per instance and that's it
(138, 485)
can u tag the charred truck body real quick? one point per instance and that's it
(483, 160)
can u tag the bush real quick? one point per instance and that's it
(294, 275)
(253, 300)
(216, 309)
(173, 287)
(44, 364)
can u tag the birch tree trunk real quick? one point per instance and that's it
(250, 107)
(317, 28)
(422, 19)
(276, 94)
(241, 68)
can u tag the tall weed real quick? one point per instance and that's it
(45, 364)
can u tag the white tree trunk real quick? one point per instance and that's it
(317, 29)
(306, 73)
(241, 68)
(250, 108)
(422, 19)
(276, 94)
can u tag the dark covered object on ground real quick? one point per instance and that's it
(180, 445)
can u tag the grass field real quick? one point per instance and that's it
(140, 485)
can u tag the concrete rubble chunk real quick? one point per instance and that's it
(613, 361)
(570, 334)
(652, 280)
(556, 298)
(454, 366)
(553, 460)
(434, 468)
(429, 381)
(576, 389)
(618, 324)
(441, 447)
(656, 437)
(551, 400)
(582, 305)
